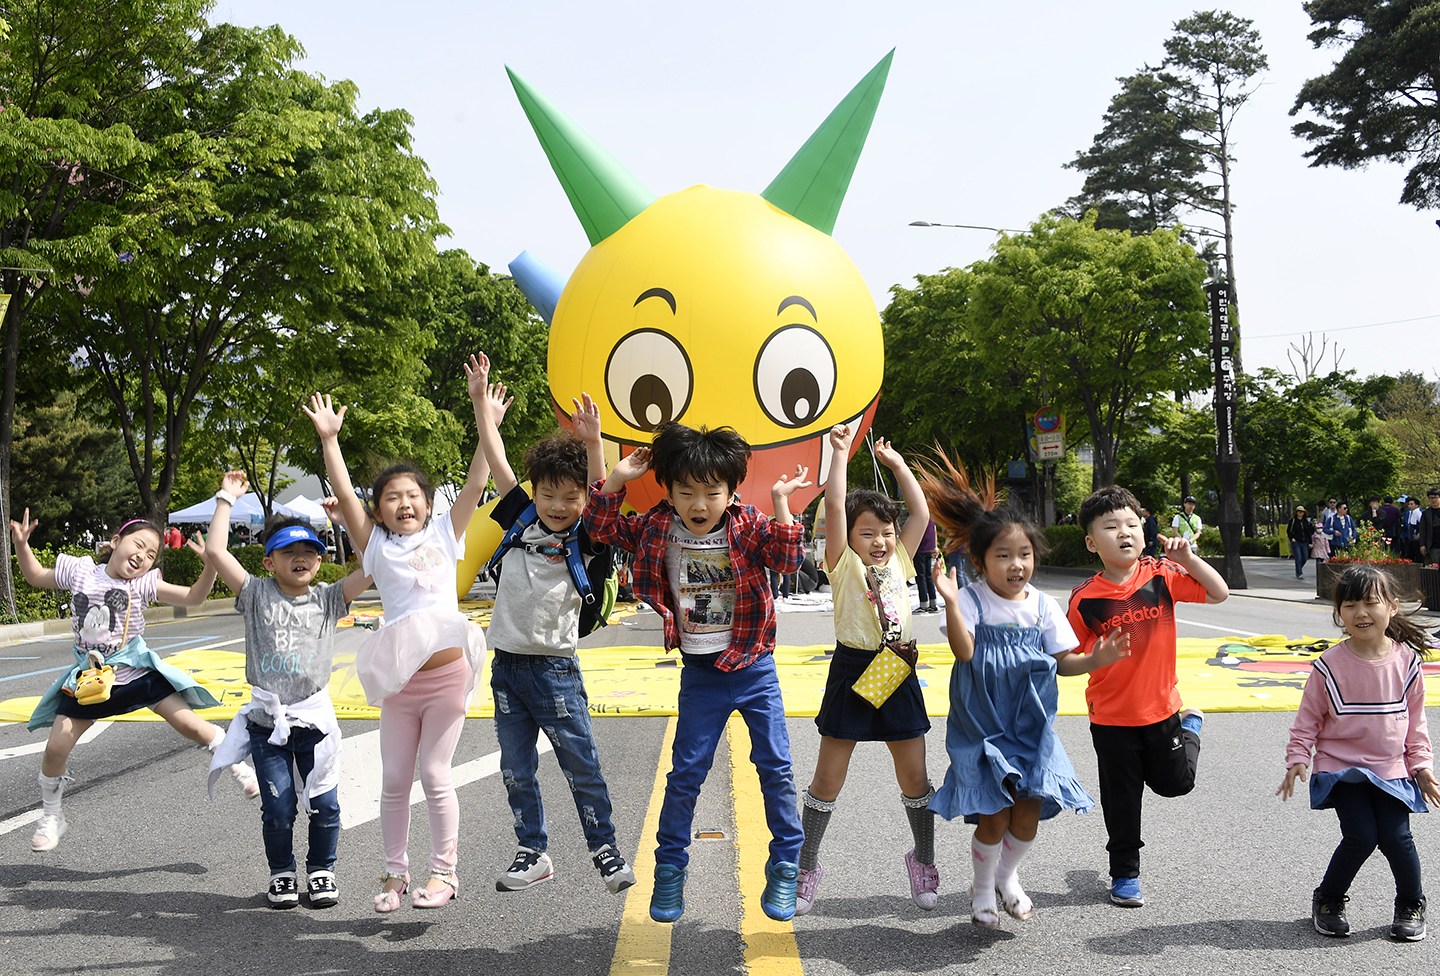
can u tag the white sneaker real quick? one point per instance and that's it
(48, 831)
(527, 870)
(245, 776)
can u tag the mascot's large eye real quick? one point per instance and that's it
(795, 376)
(649, 379)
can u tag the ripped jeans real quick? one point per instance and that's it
(534, 694)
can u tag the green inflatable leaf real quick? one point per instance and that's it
(812, 185)
(603, 192)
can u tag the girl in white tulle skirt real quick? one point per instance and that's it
(420, 666)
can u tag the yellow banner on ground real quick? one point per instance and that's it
(1229, 674)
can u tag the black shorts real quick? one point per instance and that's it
(146, 691)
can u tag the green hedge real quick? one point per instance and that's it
(36, 604)
(1067, 547)
(1211, 544)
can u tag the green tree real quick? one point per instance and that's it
(941, 387)
(1411, 416)
(72, 76)
(266, 201)
(465, 309)
(1144, 167)
(1210, 61)
(1381, 99)
(1105, 322)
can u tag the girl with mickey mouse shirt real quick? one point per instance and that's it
(108, 602)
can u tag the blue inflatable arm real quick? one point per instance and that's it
(539, 282)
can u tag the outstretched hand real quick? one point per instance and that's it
(787, 486)
(840, 437)
(234, 483)
(497, 402)
(196, 544)
(1111, 648)
(886, 454)
(334, 512)
(323, 414)
(947, 581)
(586, 419)
(1287, 786)
(21, 531)
(632, 465)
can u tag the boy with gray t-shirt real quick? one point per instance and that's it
(289, 725)
(534, 632)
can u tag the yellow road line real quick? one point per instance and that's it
(770, 948)
(643, 945)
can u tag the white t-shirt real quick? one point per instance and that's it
(537, 605)
(415, 572)
(703, 582)
(1056, 637)
(105, 611)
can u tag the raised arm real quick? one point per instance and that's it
(782, 490)
(327, 424)
(837, 533)
(947, 584)
(196, 593)
(495, 404)
(488, 424)
(914, 531)
(235, 484)
(1179, 551)
(35, 574)
(586, 421)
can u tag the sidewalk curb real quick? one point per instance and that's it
(39, 629)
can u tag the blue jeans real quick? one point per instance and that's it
(1301, 552)
(707, 697)
(924, 581)
(536, 693)
(278, 802)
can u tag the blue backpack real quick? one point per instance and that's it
(591, 565)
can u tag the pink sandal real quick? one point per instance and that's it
(440, 897)
(389, 899)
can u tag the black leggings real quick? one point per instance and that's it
(1370, 818)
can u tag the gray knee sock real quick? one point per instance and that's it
(814, 817)
(922, 825)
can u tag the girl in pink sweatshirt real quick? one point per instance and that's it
(1363, 716)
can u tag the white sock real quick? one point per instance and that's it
(1012, 851)
(51, 789)
(986, 857)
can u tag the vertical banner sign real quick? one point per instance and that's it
(1224, 352)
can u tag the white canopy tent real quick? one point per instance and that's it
(309, 508)
(246, 512)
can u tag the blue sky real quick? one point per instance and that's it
(984, 105)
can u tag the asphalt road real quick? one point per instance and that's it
(154, 878)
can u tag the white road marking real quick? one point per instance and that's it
(15, 823)
(89, 735)
(1228, 631)
(360, 776)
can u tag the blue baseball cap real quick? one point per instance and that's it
(292, 534)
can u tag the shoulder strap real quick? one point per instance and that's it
(979, 607)
(510, 540)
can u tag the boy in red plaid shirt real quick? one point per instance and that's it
(700, 563)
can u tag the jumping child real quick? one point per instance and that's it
(1008, 769)
(700, 562)
(1141, 736)
(869, 559)
(289, 724)
(108, 602)
(420, 666)
(534, 634)
(1363, 717)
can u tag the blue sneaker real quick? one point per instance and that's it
(778, 898)
(1126, 891)
(667, 901)
(1192, 719)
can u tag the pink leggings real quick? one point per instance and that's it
(422, 719)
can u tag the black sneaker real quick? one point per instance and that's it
(1409, 924)
(321, 889)
(613, 870)
(1328, 914)
(283, 892)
